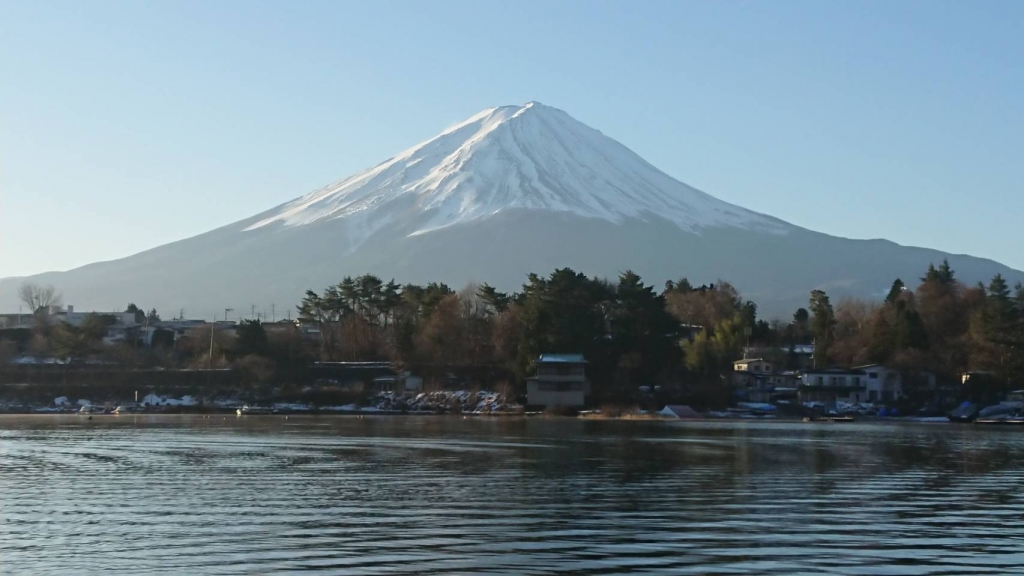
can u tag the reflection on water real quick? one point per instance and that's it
(414, 495)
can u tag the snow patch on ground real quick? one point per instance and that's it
(155, 400)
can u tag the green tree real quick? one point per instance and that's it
(140, 315)
(497, 302)
(566, 312)
(999, 335)
(895, 292)
(643, 336)
(823, 324)
(942, 275)
(251, 339)
(712, 351)
(76, 343)
(324, 313)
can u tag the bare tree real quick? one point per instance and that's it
(37, 297)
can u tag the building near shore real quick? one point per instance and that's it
(757, 379)
(560, 381)
(871, 383)
(833, 385)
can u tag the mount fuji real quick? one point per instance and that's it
(511, 190)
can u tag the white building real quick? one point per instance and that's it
(871, 383)
(118, 323)
(881, 384)
(753, 365)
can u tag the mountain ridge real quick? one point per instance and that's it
(531, 156)
(508, 191)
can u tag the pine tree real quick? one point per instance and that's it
(823, 324)
(895, 292)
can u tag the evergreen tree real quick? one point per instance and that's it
(999, 335)
(251, 339)
(643, 335)
(140, 315)
(895, 292)
(823, 323)
(496, 301)
(801, 316)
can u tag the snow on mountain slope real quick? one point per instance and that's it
(510, 191)
(512, 157)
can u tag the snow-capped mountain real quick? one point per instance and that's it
(511, 190)
(532, 157)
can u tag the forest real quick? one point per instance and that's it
(680, 338)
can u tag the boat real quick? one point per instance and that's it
(252, 410)
(965, 412)
(828, 419)
(90, 410)
(998, 411)
(1018, 420)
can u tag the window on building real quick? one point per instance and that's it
(757, 367)
(856, 380)
(873, 396)
(767, 367)
(873, 375)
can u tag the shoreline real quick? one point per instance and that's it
(465, 415)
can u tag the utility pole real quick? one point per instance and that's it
(214, 323)
(273, 313)
(252, 312)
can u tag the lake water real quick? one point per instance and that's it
(421, 495)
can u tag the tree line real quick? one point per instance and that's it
(679, 338)
(682, 335)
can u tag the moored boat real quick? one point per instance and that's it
(828, 419)
(964, 413)
(1018, 420)
(252, 410)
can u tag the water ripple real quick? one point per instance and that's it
(181, 495)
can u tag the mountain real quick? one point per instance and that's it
(511, 190)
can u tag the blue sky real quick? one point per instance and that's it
(125, 125)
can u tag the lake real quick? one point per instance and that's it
(443, 495)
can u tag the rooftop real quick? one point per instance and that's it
(836, 370)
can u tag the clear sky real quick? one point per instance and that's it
(125, 125)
